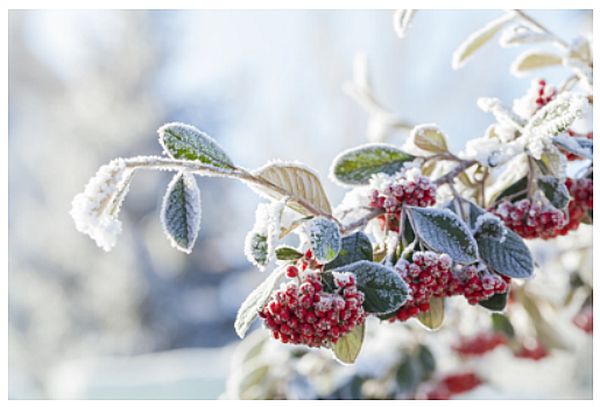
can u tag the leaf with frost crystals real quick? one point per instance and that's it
(477, 39)
(294, 181)
(185, 142)
(521, 34)
(355, 247)
(355, 166)
(385, 291)
(434, 317)
(181, 211)
(443, 232)
(429, 137)
(534, 59)
(555, 190)
(551, 120)
(347, 348)
(324, 239)
(256, 300)
(401, 21)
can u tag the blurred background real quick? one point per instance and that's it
(147, 321)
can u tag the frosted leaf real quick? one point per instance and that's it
(534, 59)
(428, 137)
(443, 232)
(95, 210)
(489, 225)
(385, 291)
(181, 212)
(293, 181)
(520, 35)
(355, 166)
(551, 120)
(502, 114)
(256, 300)
(433, 318)
(355, 247)
(324, 239)
(555, 190)
(186, 142)
(511, 258)
(348, 347)
(477, 39)
(401, 21)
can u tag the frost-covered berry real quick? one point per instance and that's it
(530, 219)
(303, 313)
(479, 344)
(428, 275)
(391, 192)
(477, 284)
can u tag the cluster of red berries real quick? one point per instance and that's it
(477, 285)
(451, 384)
(431, 275)
(582, 194)
(584, 319)
(571, 133)
(428, 275)
(545, 94)
(301, 312)
(401, 190)
(530, 219)
(480, 344)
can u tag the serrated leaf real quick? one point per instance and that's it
(348, 347)
(496, 302)
(443, 232)
(385, 291)
(555, 190)
(534, 59)
(296, 181)
(324, 239)
(355, 247)
(287, 253)
(256, 300)
(478, 39)
(434, 317)
(510, 258)
(186, 142)
(429, 138)
(355, 166)
(181, 212)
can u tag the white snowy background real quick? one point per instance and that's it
(146, 321)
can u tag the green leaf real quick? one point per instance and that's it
(384, 289)
(434, 317)
(511, 258)
(181, 211)
(355, 247)
(444, 232)
(355, 166)
(430, 138)
(501, 323)
(347, 348)
(185, 142)
(294, 182)
(287, 253)
(555, 190)
(496, 302)
(256, 300)
(324, 239)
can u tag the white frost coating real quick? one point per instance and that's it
(526, 105)
(95, 210)
(401, 21)
(551, 120)
(520, 35)
(477, 39)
